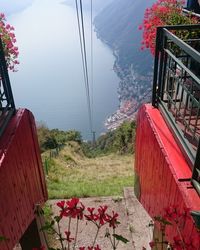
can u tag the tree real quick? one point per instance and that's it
(73, 135)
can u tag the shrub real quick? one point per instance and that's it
(163, 12)
(8, 41)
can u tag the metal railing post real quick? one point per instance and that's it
(196, 171)
(156, 62)
(5, 77)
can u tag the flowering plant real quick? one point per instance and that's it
(173, 217)
(163, 12)
(74, 210)
(8, 40)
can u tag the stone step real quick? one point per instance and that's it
(139, 220)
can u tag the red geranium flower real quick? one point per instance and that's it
(152, 244)
(68, 236)
(102, 216)
(112, 220)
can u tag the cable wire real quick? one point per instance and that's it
(86, 68)
(84, 60)
(80, 40)
(92, 58)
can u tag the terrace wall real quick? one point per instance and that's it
(159, 165)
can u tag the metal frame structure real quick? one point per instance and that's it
(176, 88)
(7, 105)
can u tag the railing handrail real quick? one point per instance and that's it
(177, 95)
(190, 12)
(184, 46)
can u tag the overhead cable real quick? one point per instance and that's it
(84, 59)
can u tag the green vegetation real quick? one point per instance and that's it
(52, 138)
(120, 141)
(100, 176)
(82, 170)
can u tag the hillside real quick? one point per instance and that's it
(74, 167)
(71, 174)
(117, 26)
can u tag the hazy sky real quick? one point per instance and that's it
(50, 78)
(10, 6)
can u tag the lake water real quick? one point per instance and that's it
(50, 77)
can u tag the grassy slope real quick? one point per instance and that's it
(72, 174)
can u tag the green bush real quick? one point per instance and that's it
(53, 138)
(119, 141)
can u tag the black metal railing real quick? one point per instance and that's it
(176, 88)
(7, 106)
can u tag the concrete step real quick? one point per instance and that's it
(139, 220)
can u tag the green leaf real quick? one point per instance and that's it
(120, 238)
(2, 238)
(57, 218)
(47, 226)
(162, 220)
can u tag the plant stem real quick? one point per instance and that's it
(179, 232)
(162, 237)
(95, 238)
(109, 237)
(60, 236)
(76, 233)
(39, 209)
(114, 241)
(68, 243)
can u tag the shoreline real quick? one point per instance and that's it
(133, 90)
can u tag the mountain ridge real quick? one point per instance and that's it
(117, 26)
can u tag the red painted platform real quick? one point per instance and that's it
(22, 182)
(159, 164)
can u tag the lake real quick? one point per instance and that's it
(50, 77)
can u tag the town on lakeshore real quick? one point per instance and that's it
(134, 89)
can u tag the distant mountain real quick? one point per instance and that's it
(117, 24)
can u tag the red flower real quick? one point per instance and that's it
(8, 40)
(72, 203)
(68, 236)
(71, 208)
(112, 220)
(81, 248)
(79, 211)
(95, 248)
(172, 214)
(102, 216)
(178, 243)
(152, 244)
(92, 216)
(163, 12)
(61, 204)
